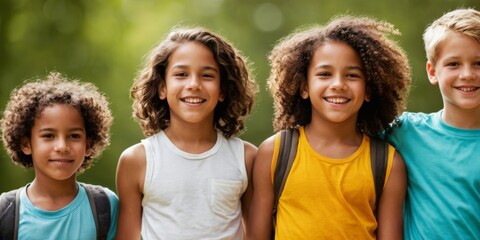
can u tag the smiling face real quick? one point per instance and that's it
(58, 143)
(457, 72)
(192, 84)
(335, 83)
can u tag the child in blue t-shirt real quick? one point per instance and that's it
(58, 127)
(441, 149)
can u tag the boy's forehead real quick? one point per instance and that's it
(59, 116)
(61, 108)
(435, 43)
(457, 45)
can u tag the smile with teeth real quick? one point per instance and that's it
(467, 89)
(193, 100)
(337, 100)
(61, 161)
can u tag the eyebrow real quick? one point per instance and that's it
(53, 129)
(353, 67)
(203, 68)
(454, 56)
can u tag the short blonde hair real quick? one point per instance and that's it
(464, 21)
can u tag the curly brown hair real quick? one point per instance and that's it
(236, 83)
(28, 102)
(385, 66)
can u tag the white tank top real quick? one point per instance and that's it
(193, 196)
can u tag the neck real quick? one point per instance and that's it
(52, 195)
(334, 131)
(336, 141)
(192, 139)
(334, 134)
(462, 118)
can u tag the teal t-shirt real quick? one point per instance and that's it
(74, 221)
(443, 165)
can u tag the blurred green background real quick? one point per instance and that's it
(105, 42)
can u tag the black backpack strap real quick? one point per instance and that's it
(9, 214)
(100, 204)
(379, 160)
(17, 213)
(285, 158)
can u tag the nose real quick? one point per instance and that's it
(61, 145)
(338, 83)
(194, 83)
(467, 73)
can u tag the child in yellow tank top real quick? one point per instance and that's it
(341, 84)
(308, 179)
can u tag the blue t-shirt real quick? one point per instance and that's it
(443, 165)
(74, 221)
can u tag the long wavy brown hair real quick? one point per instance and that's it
(236, 83)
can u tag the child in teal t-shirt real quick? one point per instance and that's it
(441, 149)
(57, 127)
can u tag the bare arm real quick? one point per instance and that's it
(129, 180)
(390, 218)
(250, 152)
(260, 217)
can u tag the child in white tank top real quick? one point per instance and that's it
(189, 178)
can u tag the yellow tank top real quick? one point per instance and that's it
(327, 198)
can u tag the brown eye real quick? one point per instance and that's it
(323, 74)
(76, 136)
(47, 135)
(181, 74)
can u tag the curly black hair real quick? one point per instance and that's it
(385, 65)
(236, 83)
(28, 102)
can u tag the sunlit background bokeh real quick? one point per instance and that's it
(105, 42)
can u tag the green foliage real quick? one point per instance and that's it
(105, 42)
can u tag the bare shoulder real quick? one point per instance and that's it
(396, 183)
(398, 163)
(263, 158)
(250, 150)
(266, 147)
(131, 168)
(133, 155)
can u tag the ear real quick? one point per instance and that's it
(431, 73)
(222, 89)
(162, 91)
(88, 148)
(221, 98)
(304, 90)
(25, 146)
(368, 94)
(88, 152)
